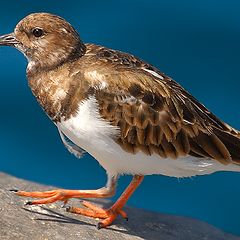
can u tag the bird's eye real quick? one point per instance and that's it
(37, 32)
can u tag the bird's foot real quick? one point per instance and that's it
(90, 210)
(108, 215)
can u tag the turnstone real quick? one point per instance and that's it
(132, 118)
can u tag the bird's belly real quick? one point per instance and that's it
(96, 136)
(116, 161)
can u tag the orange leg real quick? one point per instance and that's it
(64, 195)
(109, 215)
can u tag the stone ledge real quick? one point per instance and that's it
(52, 222)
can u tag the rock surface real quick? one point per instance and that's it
(52, 222)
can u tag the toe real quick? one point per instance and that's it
(107, 221)
(88, 212)
(52, 199)
(93, 207)
(123, 214)
(46, 194)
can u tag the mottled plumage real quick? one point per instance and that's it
(154, 114)
(127, 114)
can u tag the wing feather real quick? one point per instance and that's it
(155, 114)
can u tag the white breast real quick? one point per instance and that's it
(92, 133)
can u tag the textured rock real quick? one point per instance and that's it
(53, 222)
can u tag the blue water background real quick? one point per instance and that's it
(195, 42)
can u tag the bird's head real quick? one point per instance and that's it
(45, 39)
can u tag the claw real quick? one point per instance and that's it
(64, 204)
(28, 203)
(68, 209)
(13, 190)
(123, 214)
(99, 225)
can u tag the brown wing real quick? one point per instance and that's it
(155, 114)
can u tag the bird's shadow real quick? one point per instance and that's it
(53, 216)
(49, 215)
(144, 224)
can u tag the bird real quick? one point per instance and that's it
(128, 115)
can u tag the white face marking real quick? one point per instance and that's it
(95, 135)
(153, 73)
(31, 63)
(22, 50)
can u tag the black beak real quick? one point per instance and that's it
(8, 40)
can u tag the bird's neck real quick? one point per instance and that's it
(51, 60)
